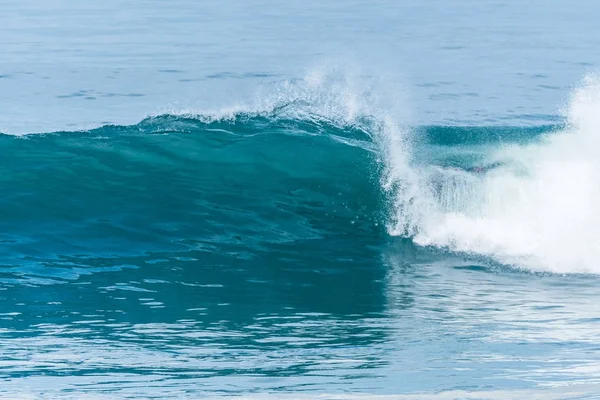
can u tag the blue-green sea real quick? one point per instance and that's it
(312, 200)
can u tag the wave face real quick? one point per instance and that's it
(318, 159)
(172, 182)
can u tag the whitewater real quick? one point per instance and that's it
(534, 210)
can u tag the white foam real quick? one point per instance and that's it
(537, 211)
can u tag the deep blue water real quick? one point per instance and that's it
(299, 200)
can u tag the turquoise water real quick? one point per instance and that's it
(301, 200)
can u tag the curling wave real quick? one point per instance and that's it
(318, 159)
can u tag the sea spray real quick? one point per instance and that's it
(536, 209)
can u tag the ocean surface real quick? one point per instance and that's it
(280, 200)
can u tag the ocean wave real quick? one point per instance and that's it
(318, 159)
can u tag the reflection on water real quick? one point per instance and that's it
(394, 320)
(178, 319)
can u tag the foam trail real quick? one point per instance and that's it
(537, 210)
